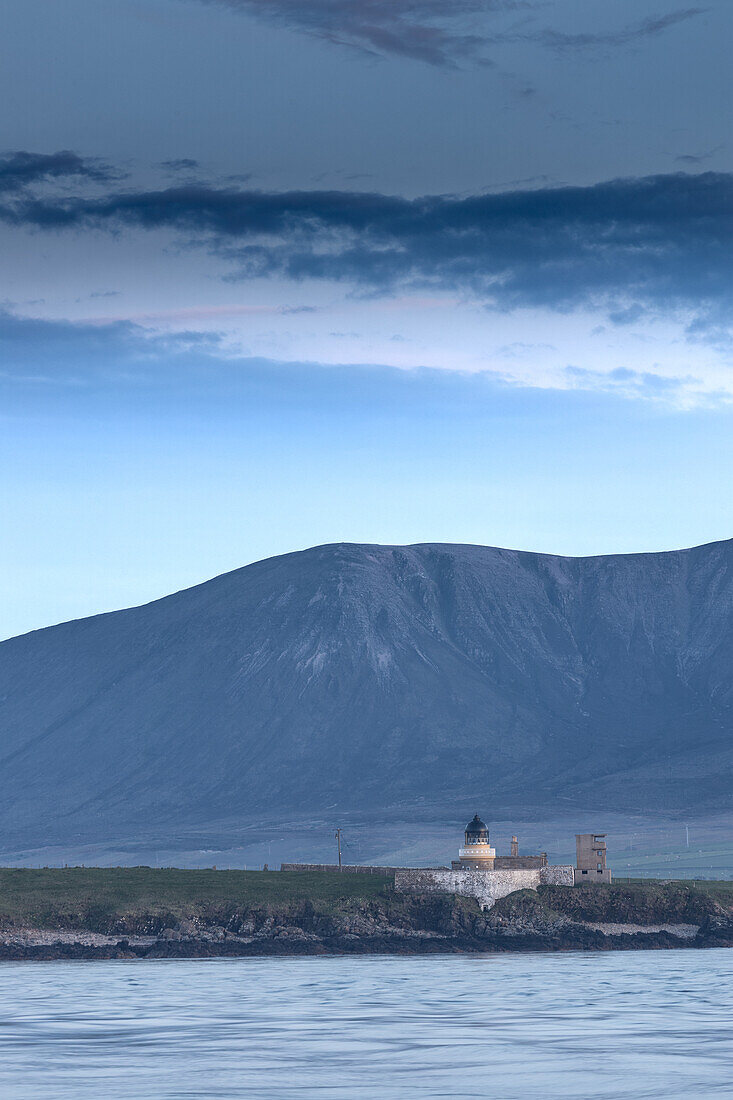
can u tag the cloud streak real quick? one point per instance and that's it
(624, 36)
(657, 242)
(432, 31)
(41, 361)
(438, 32)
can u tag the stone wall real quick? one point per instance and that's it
(559, 875)
(346, 869)
(486, 886)
(502, 863)
(519, 863)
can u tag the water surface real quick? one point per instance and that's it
(591, 1026)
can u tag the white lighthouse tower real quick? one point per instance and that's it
(476, 853)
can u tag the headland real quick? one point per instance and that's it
(143, 912)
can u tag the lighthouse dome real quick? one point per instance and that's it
(477, 830)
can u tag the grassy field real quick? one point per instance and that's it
(85, 896)
(719, 890)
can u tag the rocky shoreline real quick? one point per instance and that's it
(552, 919)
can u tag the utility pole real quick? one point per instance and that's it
(338, 841)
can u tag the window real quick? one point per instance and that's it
(585, 872)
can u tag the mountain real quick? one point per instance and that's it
(356, 677)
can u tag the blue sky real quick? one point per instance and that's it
(278, 272)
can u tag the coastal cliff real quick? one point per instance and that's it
(125, 918)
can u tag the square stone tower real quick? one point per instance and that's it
(591, 858)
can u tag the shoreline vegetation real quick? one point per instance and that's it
(143, 912)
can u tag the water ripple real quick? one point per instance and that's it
(641, 1025)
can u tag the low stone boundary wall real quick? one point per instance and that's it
(346, 869)
(486, 886)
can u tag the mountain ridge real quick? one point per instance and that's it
(366, 677)
(374, 546)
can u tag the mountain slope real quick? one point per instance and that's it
(369, 676)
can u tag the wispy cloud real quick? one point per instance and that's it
(439, 32)
(42, 360)
(622, 36)
(181, 164)
(691, 159)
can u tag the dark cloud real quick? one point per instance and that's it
(697, 158)
(660, 241)
(181, 164)
(19, 170)
(645, 28)
(439, 32)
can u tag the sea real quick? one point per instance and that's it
(594, 1026)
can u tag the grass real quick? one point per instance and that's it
(95, 896)
(711, 860)
(719, 889)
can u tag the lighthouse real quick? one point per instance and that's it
(476, 853)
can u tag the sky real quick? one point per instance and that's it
(277, 273)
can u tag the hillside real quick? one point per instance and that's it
(373, 677)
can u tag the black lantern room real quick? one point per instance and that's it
(476, 831)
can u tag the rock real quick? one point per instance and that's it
(716, 931)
